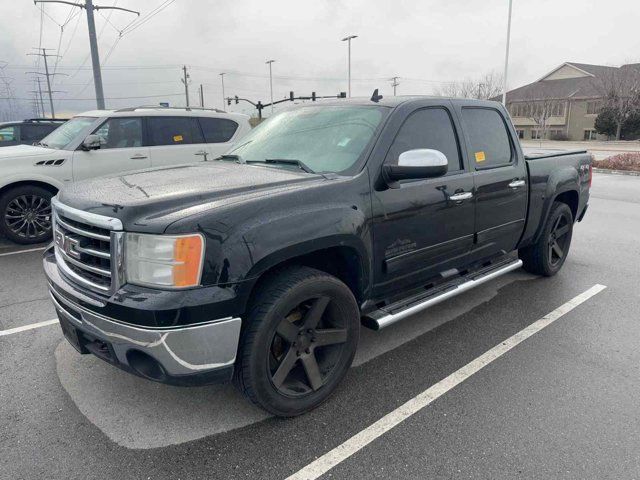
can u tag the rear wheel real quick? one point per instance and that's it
(301, 336)
(548, 254)
(25, 214)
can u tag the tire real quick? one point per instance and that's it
(25, 214)
(548, 254)
(283, 366)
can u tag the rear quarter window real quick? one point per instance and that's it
(488, 137)
(174, 131)
(217, 130)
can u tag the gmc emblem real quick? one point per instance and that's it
(67, 244)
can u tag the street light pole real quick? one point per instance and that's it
(348, 40)
(222, 80)
(506, 58)
(269, 62)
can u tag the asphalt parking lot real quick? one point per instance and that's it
(561, 403)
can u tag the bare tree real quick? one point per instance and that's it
(540, 107)
(485, 87)
(620, 90)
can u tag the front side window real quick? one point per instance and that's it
(8, 134)
(174, 131)
(62, 137)
(123, 132)
(217, 130)
(428, 128)
(324, 138)
(488, 137)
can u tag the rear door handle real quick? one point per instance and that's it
(517, 184)
(458, 197)
(138, 157)
(202, 153)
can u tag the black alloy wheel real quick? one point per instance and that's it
(557, 240)
(26, 214)
(305, 348)
(298, 340)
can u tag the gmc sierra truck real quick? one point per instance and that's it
(262, 265)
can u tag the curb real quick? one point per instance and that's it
(617, 172)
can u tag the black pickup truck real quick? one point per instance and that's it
(261, 266)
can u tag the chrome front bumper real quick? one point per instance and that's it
(192, 355)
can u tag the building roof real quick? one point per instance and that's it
(569, 80)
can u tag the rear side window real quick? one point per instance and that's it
(427, 128)
(488, 135)
(32, 133)
(217, 130)
(8, 134)
(174, 131)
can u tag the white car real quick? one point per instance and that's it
(99, 143)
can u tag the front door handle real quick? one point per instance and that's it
(138, 157)
(517, 184)
(459, 197)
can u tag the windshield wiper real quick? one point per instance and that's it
(289, 161)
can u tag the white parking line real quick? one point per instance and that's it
(22, 251)
(332, 458)
(31, 326)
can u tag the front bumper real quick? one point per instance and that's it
(188, 355)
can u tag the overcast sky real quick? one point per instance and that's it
(424, 42)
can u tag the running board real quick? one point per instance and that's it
(390, 314)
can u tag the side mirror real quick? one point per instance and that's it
(418, 163)
(92, 142)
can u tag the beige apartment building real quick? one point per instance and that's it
(574, 91)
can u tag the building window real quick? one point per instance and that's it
(557, 109)
(593, 107)
(536, 134)
(590, 134)
(520, 133)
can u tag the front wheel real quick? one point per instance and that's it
(25, 214)
(548, 254)
(300, 339)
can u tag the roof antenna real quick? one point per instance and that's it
(375, 97)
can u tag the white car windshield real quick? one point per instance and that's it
(66, 133)
(321, 138)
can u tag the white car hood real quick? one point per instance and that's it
(27, 151)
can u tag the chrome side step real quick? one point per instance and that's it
(390, 314)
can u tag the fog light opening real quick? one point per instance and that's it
(146, 365)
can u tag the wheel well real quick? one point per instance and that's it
(341, 262)
(33, 183)
(570, 198)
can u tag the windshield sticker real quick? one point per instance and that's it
(480, 157)
(177, 138)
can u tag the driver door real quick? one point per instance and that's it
(425, 226)
(121, 150)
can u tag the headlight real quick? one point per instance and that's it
(173, 261)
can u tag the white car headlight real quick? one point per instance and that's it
(170, 261)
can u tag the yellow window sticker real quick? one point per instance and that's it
(480, 157)
(178, 138)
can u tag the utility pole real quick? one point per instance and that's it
(40, 94)
(506, 58)
(223, 97)
(201, 96)
(269, 62)
(394, 84)
(93, 41)
(185, 80)
(44, 55)
(348, 40)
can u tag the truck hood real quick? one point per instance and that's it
(149, 200)
(26, 151)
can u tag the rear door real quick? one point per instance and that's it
(121, 150)
(175, 140)
(425, 226)
(218, 133)
(500, 179)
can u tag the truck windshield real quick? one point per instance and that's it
(323, 138)
(66, 133)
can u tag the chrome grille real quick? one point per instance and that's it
(84, 246)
